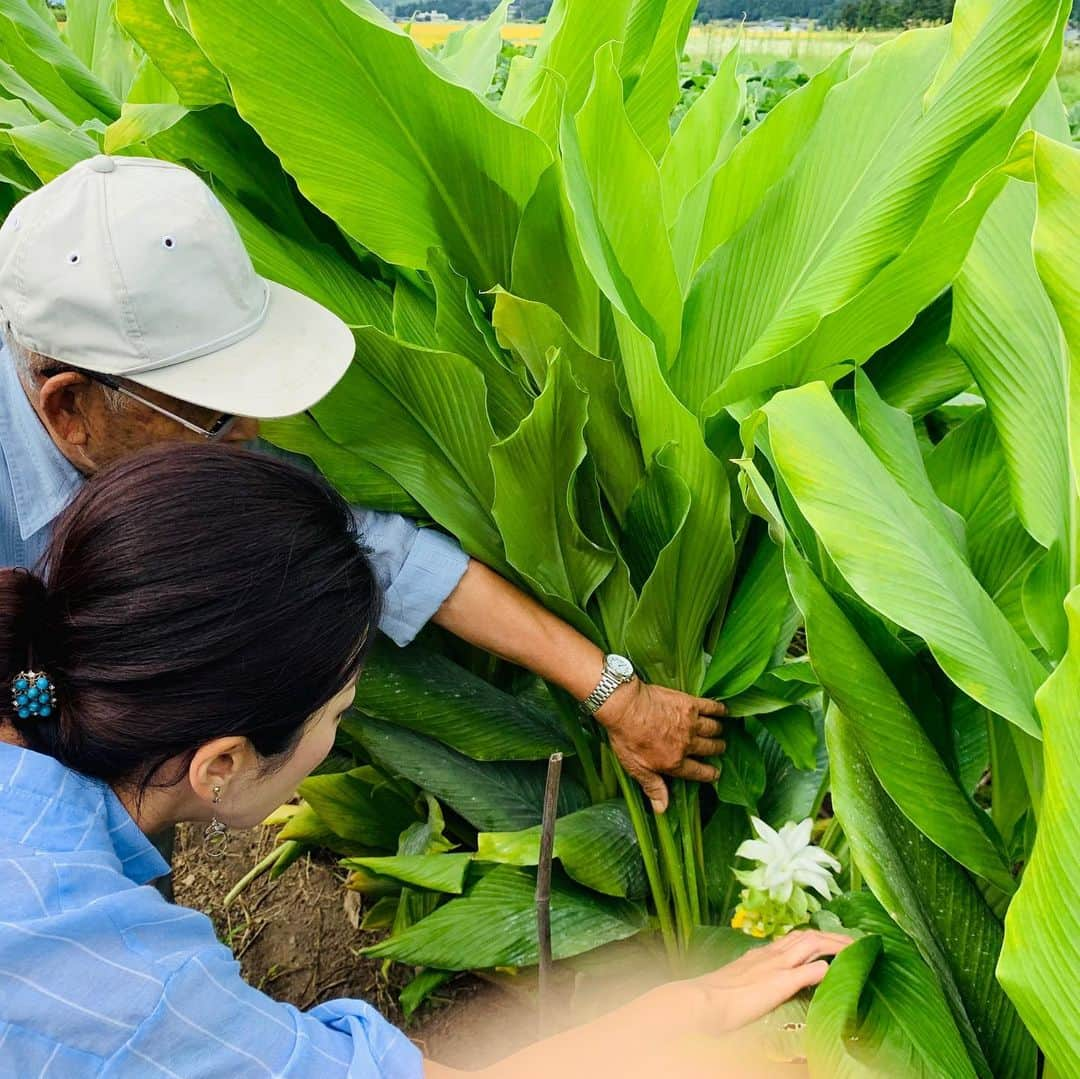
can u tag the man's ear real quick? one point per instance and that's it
(219, 763)
(63, 405)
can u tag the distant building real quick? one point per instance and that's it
(430, 16)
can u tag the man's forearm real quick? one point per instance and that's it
(492, 614)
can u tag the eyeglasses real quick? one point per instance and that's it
(214, 433)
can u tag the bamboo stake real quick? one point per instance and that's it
(543, 889)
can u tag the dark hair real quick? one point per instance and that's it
(189, 592)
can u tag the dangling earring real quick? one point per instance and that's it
(215, 835)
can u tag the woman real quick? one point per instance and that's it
(197, 637)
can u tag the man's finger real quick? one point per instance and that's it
(706, 707)
(655, 790)
(706, 747)
(695, 770)
(708, 728)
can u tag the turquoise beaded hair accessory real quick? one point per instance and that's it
(33, 695)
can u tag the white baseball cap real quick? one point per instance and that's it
(130, 267)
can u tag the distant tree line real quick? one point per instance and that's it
(851, 14)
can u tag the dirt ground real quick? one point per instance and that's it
(297, 940)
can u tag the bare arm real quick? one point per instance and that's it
(673, 1029)
(653, 730)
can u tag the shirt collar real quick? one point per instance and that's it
(43, 480)
(46, 806)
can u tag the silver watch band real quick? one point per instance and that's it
(604, 688)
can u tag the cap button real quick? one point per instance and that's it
(102, 163)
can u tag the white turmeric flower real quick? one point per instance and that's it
(775, 899)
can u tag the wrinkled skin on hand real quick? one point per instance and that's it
(655, 731)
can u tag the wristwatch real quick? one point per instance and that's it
(618, 670)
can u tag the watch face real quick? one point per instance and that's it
(620, 666)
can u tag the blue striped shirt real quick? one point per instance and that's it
(100, 976)
(417, 568)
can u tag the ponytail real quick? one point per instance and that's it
(26, 644)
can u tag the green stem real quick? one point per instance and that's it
(699, 859)
(669, 853)
(254, 873)
(647, 844)
(583, 747)
(607, 775)
(684, 801)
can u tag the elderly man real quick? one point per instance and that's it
(132, 315)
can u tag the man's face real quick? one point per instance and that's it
(91, 431)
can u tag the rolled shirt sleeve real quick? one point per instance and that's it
(417, 569)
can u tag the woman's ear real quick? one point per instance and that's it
(218, 764)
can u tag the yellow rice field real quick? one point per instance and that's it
(430, 34)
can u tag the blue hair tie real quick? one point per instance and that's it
(33, 695)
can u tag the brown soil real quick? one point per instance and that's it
(297, 939)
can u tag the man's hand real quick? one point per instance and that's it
(656, 731)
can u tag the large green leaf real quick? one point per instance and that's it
(757, 623)
(968, 471)
(494, 796)
(559, 72)
(693, 572)
(426, 692)
(897, 748)
(879, 1010)
(653, 92)
(548, 264)
(1005, 329)
(934, 901)
(461, 327)
(96, 39)
(919, 371)
(357, 807)
(50, 149)
(866, 521)
(494, 925)
(1040, 963)
(614, 188)
(174, 52)
(533, 330)
(424, 163)
(708, 133)
(536, 472)
(596, 846)
(38, 66)
(430, 406)
(471, 54)
(889, 434)
(734, 188)
(359, 481)
(434, 872)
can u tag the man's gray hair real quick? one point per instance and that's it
(32, 366)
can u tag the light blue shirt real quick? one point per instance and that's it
(416, 567)
(101, 976)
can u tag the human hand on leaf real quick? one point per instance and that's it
(747, 989)
(656, 731)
